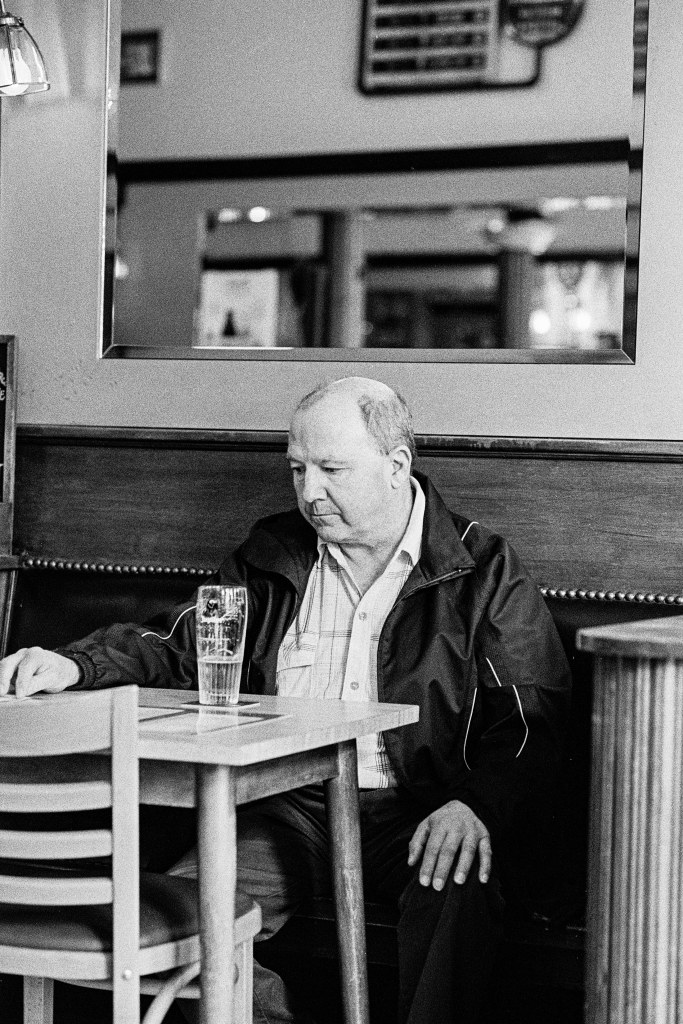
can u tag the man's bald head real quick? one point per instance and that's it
(385, 413)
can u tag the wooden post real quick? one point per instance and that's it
(516, 270)
(346, 328)
(635, 898)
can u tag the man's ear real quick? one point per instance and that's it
(400, 465)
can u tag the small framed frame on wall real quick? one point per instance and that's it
(141, 57)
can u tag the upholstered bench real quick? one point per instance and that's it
(114, 524)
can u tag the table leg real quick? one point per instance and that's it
(341, 794)
(216, 847)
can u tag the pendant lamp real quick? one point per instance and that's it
(21, 63)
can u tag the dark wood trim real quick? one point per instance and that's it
(389, 162)
(604, 449)
(152, 437)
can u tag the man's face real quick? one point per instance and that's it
(342, 480)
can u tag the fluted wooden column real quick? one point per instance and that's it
(635, 892)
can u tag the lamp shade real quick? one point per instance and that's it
(21, 63)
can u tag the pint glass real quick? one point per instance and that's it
(221, 629)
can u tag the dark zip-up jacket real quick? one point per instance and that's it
(469, 639)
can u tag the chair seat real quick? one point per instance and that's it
(168, 913)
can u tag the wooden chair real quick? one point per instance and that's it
(73, 903)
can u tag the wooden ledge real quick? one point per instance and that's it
(651, 638)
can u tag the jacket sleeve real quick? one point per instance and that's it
(160, 653)
(517, 717)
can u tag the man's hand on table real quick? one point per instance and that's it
(452, 830)
(32, 669)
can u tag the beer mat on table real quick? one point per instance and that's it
(246, 702)
(144, 714)
(206, 719)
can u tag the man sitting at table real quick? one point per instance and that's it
(373, 590)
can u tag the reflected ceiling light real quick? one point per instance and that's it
(22, 69)
(540, 322)
(604, 202)
(258, 214)
(523, 231)
(495, 225)
(580, 319)
(229, 215)
(558, 204)
(121, 269)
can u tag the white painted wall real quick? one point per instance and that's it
(280, 77)
(50, 203)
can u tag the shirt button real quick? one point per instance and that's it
(362, 616)
(354, 686)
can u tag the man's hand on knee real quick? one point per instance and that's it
(449, 832)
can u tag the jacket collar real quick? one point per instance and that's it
(284, 544)
(287, 544)
(443, 552)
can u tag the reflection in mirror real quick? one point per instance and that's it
(495, 254)
(461, 277)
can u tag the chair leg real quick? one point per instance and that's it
(126, 997)
(244, 984)
(38, 1000)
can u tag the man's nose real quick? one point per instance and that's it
(313, 488)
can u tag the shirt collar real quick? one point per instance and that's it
(411, 542)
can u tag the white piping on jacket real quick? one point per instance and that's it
(150, 632)
(526, 737)
(467, 732)
(469, 720)
(473, 523)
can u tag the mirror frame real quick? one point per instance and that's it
(600, 162)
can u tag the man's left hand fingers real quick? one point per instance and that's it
(444, 862)
(418, 841)
(485, 857)
(430, 856)
(467, 852)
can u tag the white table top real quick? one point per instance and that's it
(647, 638)
(244, 735)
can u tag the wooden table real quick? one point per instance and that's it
(191, 755)
(635, 892)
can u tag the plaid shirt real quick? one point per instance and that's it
(330, 650)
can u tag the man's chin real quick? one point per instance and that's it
(327, 527)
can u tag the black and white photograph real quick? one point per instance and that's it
(341, 512)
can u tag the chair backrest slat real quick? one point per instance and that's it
(33, 785)
(81, 723)
(22, 799)
(55, 891)
(22, 845)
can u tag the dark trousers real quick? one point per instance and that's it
(446, 940)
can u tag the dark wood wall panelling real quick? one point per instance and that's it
(597, 519)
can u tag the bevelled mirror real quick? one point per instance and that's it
(501, 226)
